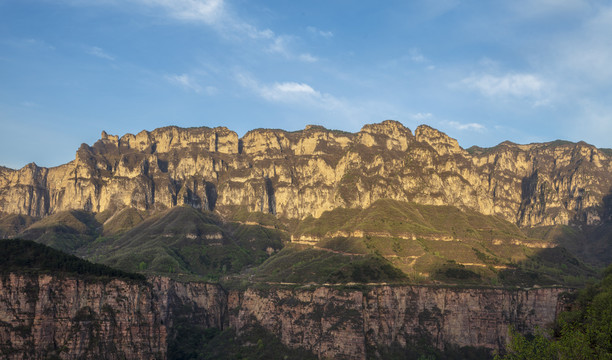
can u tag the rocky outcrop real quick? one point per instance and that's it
(355, 325)
(42, 316)
(302, 173)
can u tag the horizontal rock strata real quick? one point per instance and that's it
(43, 315)
(302, 173)
(352, 324)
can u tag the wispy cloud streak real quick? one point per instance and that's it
(98, 52)
(185, 81)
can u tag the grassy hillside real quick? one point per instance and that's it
(444, 244)
(184, 241)
(390, 241)
(13, 224)
(591, 244)
(66, 230)
(403, 218)
(300, 264)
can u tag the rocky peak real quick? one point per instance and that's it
(112, 139)
(390, 133)
(442, 143)
(265, 142)
(163, 140)
(315, 128)
(387, 127)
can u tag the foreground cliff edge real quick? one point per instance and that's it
(45, 316)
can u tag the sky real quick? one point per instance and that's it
(481, 71)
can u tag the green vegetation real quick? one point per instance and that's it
(66, 230)
(548, 267)
(241, 214)
(30, 257)
(584, 332)
(13, 224)
(439, 244)
(590, 244)
(344, 245)
(297, 264)
(401, 218)
(192, 341)
(367, 270)
(422, 349)
(121, 221)
(442, 244)
(186, 243)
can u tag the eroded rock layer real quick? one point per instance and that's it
(355, 325)
(296, 174)
(42, 316)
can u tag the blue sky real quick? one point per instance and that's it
(481, 71)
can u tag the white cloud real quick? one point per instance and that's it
(421, 116)
(288, 91)
(296, 93)
(280, 92)
(216, 14)
(98, 52)
(186, 82)
(313, 30)
(220, 17)
(469, 126)
(206, 11)
(347, 114)
(513, 85)
(430, 118)
(281, 45)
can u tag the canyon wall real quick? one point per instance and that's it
(354, 325)
(43, 315)
(302, 173)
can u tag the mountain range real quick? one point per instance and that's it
(277, 218)
(383, 196)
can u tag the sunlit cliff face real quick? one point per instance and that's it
(296, 174)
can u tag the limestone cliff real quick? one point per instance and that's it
(296, 174)
(43, 316)
(355, 325)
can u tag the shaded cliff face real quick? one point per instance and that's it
(355, 325)
(296, 174)
(42, 316)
